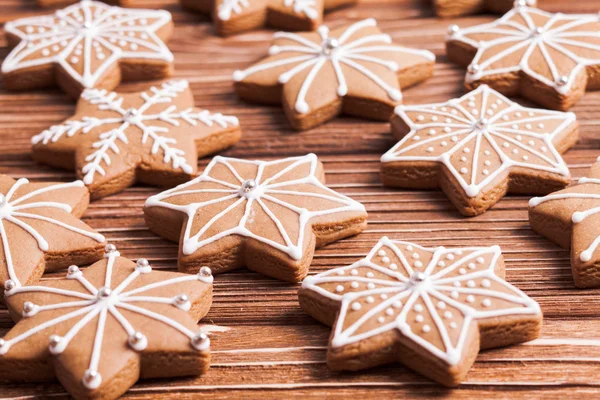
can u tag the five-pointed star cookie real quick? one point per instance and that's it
(430, 309)
(454, 8)
(547, 58)
(266, 215)
(571, 218)
(478, 148)
(87, 45)
(354, 69)
(40, 229)
(153, 137)
(235, 16)
(99, 330)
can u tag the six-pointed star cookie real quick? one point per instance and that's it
(354, 69)
(571, 218)
(40, 229)
(478, 148)
(87, 45)
(266, 215)
(547, 58)
(98, 331)
(153, 137)
(235, 16)
(430, 309)
(456, 8)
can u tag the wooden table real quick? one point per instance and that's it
(264, 346)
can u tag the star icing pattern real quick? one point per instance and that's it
(33, 210)
(227, 8)
(259, 193)
(78, 307)
(157, 121)
(87, 39)
(550, 48)
(481, 136)
(430, 295)
(354, 50)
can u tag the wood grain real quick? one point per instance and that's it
(264, 346)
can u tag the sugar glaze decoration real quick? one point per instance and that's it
(430, 295)
(481, 136)
(564, 44)
(255, 195)
(340, 52)
(87, 39)
(227, 8)
(94, 305)
(23, 210)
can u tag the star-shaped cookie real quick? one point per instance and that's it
(40, 229)
(453, 8)
(236, 16)
(550, 59)
(571, 219)
(431, 309)
(55, 3)
(155, 137)
(87, 45)
(354, 70)
(99, 330)
(478, 148)
(266, 215)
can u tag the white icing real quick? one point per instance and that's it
(94, 31)
(420, 292)
(340, 53)
(126, 121)
(101, 303)
(502, 130)
(227, 8)
(268, 190)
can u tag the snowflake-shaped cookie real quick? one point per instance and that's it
(40, 229)
(548, 58)
(98, 324)
(431, 309)
(117, 139)
(267, 215)
(356, 65)
(85, 45)
(453, 8)
(481, 141)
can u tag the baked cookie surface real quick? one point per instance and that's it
(457, 8)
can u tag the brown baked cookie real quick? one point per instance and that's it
(354, 70)
(457, 8)
(547, 58)
(154, 137)
(56, 3)
(236, 16)
(101, 329)
(40, 230)
(266, 215)
(478, 148)
(87, 45)
(571, 219)
(431, 309)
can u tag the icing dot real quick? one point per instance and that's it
(525, 158)
(441, 264)
(505, 144)
(420, 118)
(462, 271)
(528, 126)
(454, 139)
(471, 265)
(381, 253)
(354, 272)
(415, 255)
(370, 285)
(463, 170)
(354, 285)
(393, 266)
(454, 295)
(453, 325)
(356, 306)
(385, 260)
(450, 256)
(397, 304)
(466, 150)
(384, 296)
(486, 283)
(447, 314)
(339, 288)
(370, 275)
(419, 318)
(418, 264)
(487, 162)
(441, 305)
(409, 248)
(74, 60)
(505, 118)
(447, 129)
(487, 152)
(456, 284)
(432, 132)
(434, 118)
(389, 312)
(471, 284)
(430, 149)
(541, 126)
(470, 298)
(418, 308)
(340, 272)
(463, 159)
(444, 144)
(480, 260)
(45, 52)
(381, 320)
(518, 114)
(133, 46)
(486, 303)
(426, 328)
(370, 299)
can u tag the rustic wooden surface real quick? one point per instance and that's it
(264, 346)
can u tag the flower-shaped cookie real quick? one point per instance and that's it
(154, 137)
(99, 330)
(430, 309)
(547, 58)
(266, 215)
(479, 147)
(354, 69)
(87, 45)
(453, 8)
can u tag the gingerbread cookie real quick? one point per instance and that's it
(236, 16)
(457, 8)
(87, 45)
(40, 229)
(354, 69)
(266, 215)
(547, 58)
(153, 137)
(56, 3)
(478, 148)
(571, 219)
(100, 329)
(430, 309)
